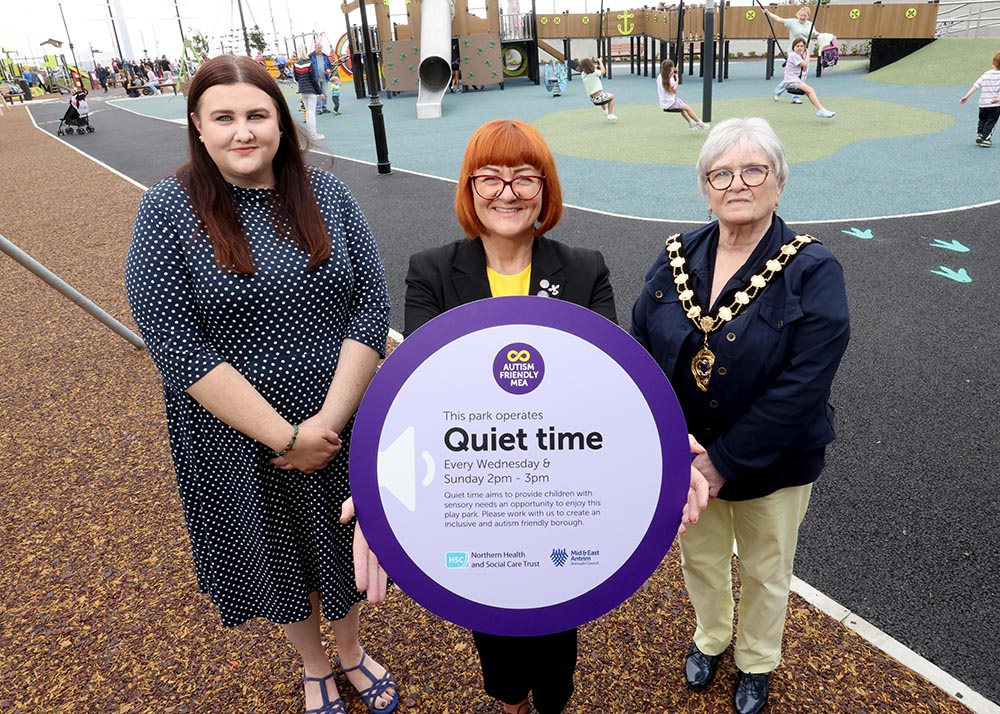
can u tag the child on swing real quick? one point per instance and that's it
(666, 87)
(796, 67)
(592, 84)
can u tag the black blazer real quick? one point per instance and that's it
(451, 275)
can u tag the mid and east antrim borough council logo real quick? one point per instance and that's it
(518, 368)
(559, 557)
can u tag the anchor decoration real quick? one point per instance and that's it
(628, 27)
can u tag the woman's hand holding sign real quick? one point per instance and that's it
(369, 576)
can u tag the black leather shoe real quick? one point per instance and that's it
(751, 692)
(699, 668)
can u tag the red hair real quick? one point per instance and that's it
(295, 213)
(507, 142)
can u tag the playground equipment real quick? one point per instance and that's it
(555, 78)
(435, 57)
(421, 51)
(496, 48)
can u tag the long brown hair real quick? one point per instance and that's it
(507, 142)
(294, 211)
(666, 72)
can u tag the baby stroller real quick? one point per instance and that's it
(77, 116)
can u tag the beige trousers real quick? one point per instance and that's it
(766, 531)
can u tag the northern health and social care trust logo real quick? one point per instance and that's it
(518, 368)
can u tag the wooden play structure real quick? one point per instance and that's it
(476, 40)
(496, 48)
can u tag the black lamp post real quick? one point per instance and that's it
(114, 27)
(374, 103)
(243, 24)
(66, 27)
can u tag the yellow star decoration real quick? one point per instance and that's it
(911, 12)
(854, 14)
(751, 14)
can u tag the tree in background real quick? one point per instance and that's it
(199, 43)
(257, 40)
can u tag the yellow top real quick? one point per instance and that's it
(506, 285)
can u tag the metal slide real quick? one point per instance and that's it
(435, 56)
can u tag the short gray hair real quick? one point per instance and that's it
(750, 134)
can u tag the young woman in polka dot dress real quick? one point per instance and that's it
(257, 286)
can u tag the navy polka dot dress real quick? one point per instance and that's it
(262, 538)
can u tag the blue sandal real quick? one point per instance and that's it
(329, 707)
(370, 695)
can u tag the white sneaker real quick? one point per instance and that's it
(703, 126)
(796, 100)
(612, 117)
(826, 114)
(776, 97)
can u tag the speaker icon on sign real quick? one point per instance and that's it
(397, 469)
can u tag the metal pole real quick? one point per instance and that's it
(76, 65)
(722, 27)
(181, 28)
(708, 61)
(243, 24)
(600, 42)
(121, 57)
(679, 54)
(274, 28)
(374, 103)
(69, 291)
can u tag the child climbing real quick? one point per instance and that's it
(796, 68)
(666, 87)
(989, 102)
(592, 84)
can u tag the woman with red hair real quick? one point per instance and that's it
(257, 286)
(508, 198)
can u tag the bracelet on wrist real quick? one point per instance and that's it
(291, 442)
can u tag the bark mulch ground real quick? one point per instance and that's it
(99, 609)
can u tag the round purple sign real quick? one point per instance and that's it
(518, 368)
(497, 492)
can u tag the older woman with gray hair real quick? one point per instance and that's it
(749, 321)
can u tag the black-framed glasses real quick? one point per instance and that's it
(489, 187)
(751, 176)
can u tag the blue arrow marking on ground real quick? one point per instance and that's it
(952, 245)
(959, 277)
(865, 234)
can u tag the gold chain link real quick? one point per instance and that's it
(742, 298)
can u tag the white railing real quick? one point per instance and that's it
(968, 18)
(515, 27)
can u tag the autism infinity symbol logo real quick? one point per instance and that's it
(518, 356)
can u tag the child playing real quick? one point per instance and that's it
(592, 84)
(666, 87)
(796, 67)
(989, 102)
(335, 93)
